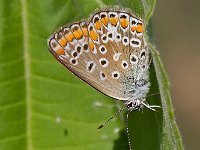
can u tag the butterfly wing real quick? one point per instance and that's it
(103, 51)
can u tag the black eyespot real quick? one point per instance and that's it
(104, 38)
(75, 28)
(103, 49)
(90, 66)
(78, 49)
(85, 47)
(125, 40)
(112, 15)
(135, 42)
(103, 75)
(115, 75)
(96, 19)
(133, 22)
(123, 16)
(75, 54)
(110, 35)
(125, 64)
(118, 37)
(91, 28)
(73, 61)
(142, 54)
(103, 16)
(103, 62)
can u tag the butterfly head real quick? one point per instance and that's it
(134, 105)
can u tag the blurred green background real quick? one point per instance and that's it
(177, 36)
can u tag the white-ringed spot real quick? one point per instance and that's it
(102, 76)
(103, 62)
(86, 48)
(135, 42)
(79, 49)
(73, 61)
(124, 64)
(125, 40)
(103, 49)
(118, 37)
(75, 54)
(90, 66)
(110, 36)
(133, 59)
(143, 54)
(104, 38)
(115, 75)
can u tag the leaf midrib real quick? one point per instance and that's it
(26, 56)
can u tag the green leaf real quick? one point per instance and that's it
(44, 106)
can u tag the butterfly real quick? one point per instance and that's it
(109, 51)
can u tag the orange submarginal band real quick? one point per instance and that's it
(124, 23)
(133, 28)
(105, 21)
(85, 31)
(113, 21)
(98, 25)
(78, 33)
(94, 35)
(139, 28)
(63, 42)
(91, 45)
(69, 37)
(60, 51)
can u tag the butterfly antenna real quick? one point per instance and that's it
(117, 113)
(127, 131)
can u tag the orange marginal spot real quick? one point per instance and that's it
(85, 31)
(124, 23)
(60, 51)
(98, 25)
(139, 28)
(63, 42)
(91, 45)
(133, 28)
(93, 35)
(104, 21)
(69, 37)
(78, 33)
(113, 21)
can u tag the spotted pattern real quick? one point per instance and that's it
(97, 47)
